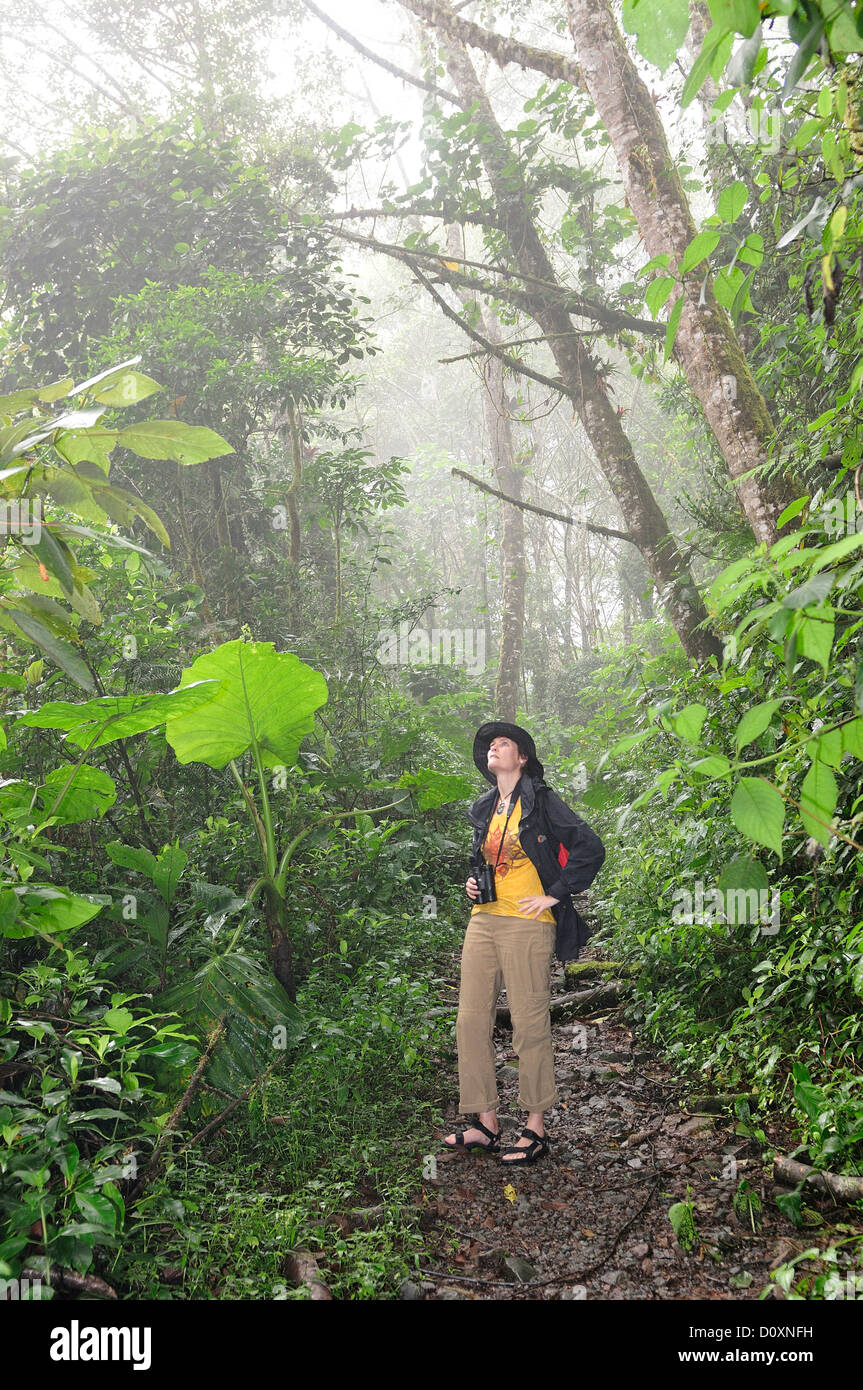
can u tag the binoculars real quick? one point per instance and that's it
(483, 877)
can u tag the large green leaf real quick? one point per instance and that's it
(702, 245)
(716, 47)
(267, 697)
(436, 788)
(11, 436)
(687, 724)
(124, 507)
(127, 389)
(657, 292)
(143, 861)
(732, 201)
(260, 1016)
(758, 811)
(18, 400)
(169, 866)
(171, 439)
(69, 420)
(128, 714)
(90, 794)
(69, 528)
(59, 651)
(55, 391)
(102, 379)
(805, 52)
(661, 26)
(93, 445)
(740, 16)
(714, 765)
(842, 32)
(818, 797)
(815, 633)
(29, 576)
(754, 722)
(55, 557)
(67, 487)
(741, 65)
(44, 908)
(743, 874)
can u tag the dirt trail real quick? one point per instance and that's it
(590, 1219)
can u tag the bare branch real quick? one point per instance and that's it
(543, 511)
(613, 319)
(477, 219)
(513, 363)
(513, 342)
(375, 58)
(84, 76)
(504, 50)
(78, 49)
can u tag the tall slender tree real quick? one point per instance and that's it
(580, 374)
(509, 474)
(706, 345)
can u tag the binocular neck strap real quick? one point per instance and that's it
(514, 799)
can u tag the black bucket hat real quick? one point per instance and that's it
(497, 729)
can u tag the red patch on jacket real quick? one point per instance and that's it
(562, 856)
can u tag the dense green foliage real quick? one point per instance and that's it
(233, 837)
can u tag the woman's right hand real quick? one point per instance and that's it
(471, 888)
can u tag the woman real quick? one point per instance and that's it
(522, 829)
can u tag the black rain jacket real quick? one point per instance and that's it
(546, 824)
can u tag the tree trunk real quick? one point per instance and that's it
(636, 581)
(281, 953)
(570, 596)
(486, 621)
(706, 345)
(296, 479)
(627, 611)
(509, 477)
(189, 546)
(581, 550)
(643, 517)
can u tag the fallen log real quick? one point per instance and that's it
(566, 1005)
(587, 999)
(714, 1105)
(69, 1281)
(301, 1267)
(366, 1217)
(838, 1185)
(578, 969)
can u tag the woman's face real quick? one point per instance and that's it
(503, 756)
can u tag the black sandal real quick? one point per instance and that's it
(492, 1147)
(532, 1151)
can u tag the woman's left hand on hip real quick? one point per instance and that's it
(534, 906)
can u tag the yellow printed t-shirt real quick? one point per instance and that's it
(516, 876)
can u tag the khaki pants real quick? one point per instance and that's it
(517, 952)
